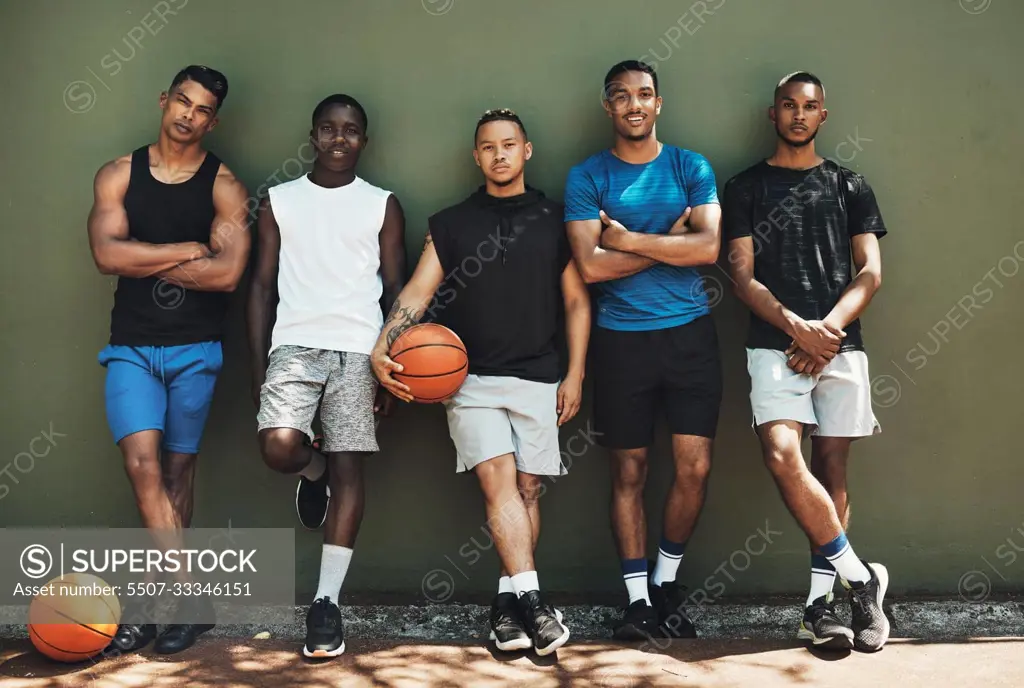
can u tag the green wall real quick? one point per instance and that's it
(930, 90)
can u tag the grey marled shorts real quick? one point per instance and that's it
(298, 377)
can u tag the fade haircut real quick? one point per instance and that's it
(798, 78)
(629, 66)
(499, 115)
(341, 99)
(210, 79)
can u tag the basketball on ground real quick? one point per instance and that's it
(76, 619)
(434, 360)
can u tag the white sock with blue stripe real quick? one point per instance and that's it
(823, 577)
(670, 555)
(840, 555)
(634, 572)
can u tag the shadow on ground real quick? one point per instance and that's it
(222, 663)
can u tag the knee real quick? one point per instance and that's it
(783, 461)
(630, 474)
(531, 493)
(694, 472)
(142, 468)
(178, 469)
(280, 447)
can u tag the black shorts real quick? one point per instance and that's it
(634, 373)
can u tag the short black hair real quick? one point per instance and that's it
(629, 66)
(798, 78)
(210, 79)
(500, 115)
(341, 99)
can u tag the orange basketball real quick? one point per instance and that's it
(76, 618)
(434, 360)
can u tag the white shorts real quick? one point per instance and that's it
(490, 416)
(837, 401)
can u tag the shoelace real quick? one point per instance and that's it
(323, 613)
(820, 610)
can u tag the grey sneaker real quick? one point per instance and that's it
(870, 625)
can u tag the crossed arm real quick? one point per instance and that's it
(217, 267)
(606, 250)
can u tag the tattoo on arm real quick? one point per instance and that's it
(403, 318)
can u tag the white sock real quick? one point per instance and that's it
(822, 581)
(666, 568)
(505, 585)
(849, 566)
(636, 586)
(524, 582)
(334, 563)
(316, 467)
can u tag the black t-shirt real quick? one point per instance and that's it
(503, 260)
(801, 223)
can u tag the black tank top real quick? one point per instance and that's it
(148, 311)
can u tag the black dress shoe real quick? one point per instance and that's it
(182, 634)
(133, 637)
(178, 637)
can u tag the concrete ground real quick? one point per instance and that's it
(232, 663)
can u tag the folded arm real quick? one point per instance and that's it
(697, 246)
(113, 250)
(230, 241)
(597, 264)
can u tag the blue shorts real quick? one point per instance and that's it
(165, 388)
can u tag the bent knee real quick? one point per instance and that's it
(281, 449)
(531, 490)
(784, 461)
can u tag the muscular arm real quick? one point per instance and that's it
(229, 241)
(699, 246)
(113, 251)
(577, 319)
(597, 264)
(392, 252)
(751, 292)
(411, 304)
(263, 289)
(867, 257)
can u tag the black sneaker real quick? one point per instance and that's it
(182, 634)
(640, 622)
(870, 625)
(507, 629)
(823, 628)
(542, 623)
(325, 633)
(669, 601)
(312, 497)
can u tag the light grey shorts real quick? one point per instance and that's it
(492, 415)
(298, 377)
(836, 402)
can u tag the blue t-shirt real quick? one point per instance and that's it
(644, 198)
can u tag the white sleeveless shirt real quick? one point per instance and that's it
(329, 266)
